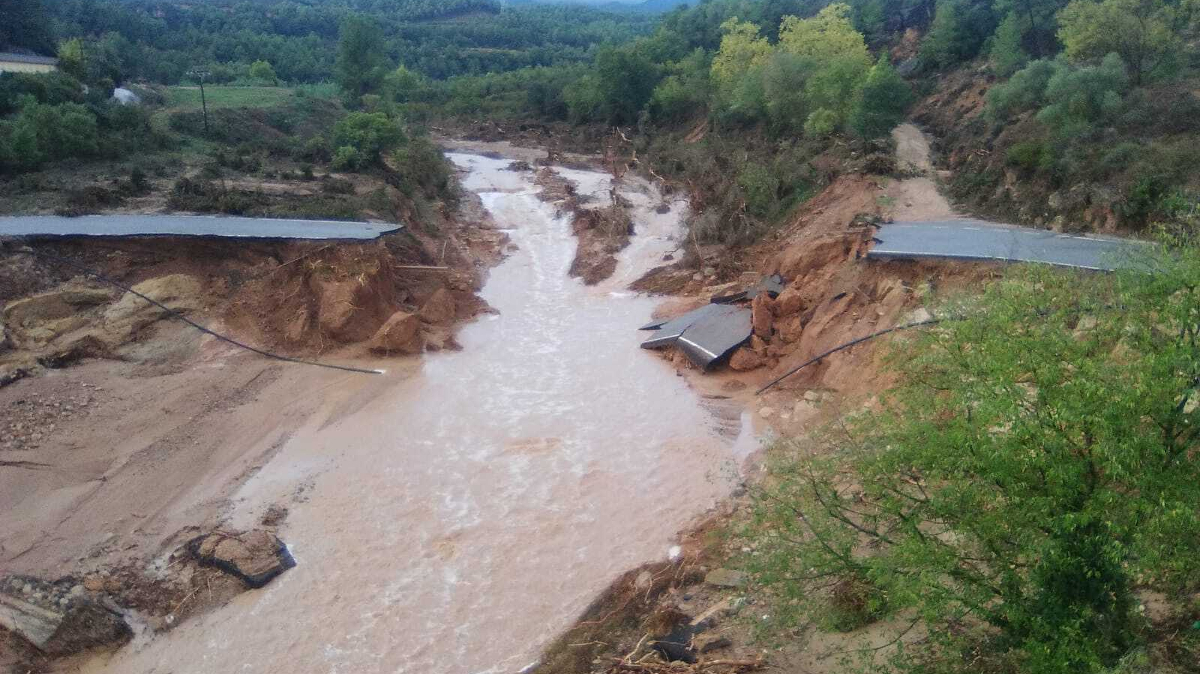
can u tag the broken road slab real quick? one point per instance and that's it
(191, 225)
(58, 618)
(256, 557)
(705, 335)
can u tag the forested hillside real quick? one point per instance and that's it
(1071, 114)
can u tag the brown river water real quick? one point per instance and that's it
(462, 517)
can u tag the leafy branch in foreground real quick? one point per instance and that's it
(1035, 468)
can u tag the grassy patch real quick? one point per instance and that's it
(188, 98)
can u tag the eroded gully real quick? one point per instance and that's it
(460, 518)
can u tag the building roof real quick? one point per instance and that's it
(28, 58)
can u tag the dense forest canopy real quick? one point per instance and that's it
(160, 41)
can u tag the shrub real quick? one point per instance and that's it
(422, 167)
(331, 185)
(368, 134)
(1029, 156)
(821, 123)
(761, 188)
(315, 149)
(1082, 98)
(1025, 90)
(347, 158)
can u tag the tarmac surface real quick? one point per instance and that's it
(190, 225)
(969, 239)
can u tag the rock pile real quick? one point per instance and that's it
(59, 618)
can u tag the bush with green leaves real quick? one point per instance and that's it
(263, 72)
(1029, 155)
(1025, 90)
(40, 133)
(368, 135)
(1081, 99)
(1032, 469)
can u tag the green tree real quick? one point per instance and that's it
(362, 62)
(882, 103)
(737, 66)
(361, 138)
(1007, 54)
(404, 85)
(1081, 99)
(1038, 22)
(839, 63)
(626, 79)
(959, 30)
(1025, 90)
(263, 72)
(1035, 463)
(71, 58)
(682, 94)
(784, 80)
(1140, 31)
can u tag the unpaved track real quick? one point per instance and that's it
(454, 521)
(916, 197)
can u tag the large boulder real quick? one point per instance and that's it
(762, 315)
(399, 334)
(59, 618)
(745, 359)
(256, 557)
(335, 305)
(439, 308)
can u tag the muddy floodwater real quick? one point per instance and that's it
(459, 518)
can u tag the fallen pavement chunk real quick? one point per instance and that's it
(725, 578)
(705, 335)
(57, 618)
(668, 331)
(255, 557)
(710, 339)
(771, 285)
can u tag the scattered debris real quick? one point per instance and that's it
(256, 557)
(772, 285)
(59, 618)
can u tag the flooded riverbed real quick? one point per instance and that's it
(458, 519)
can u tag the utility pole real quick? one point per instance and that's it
(200, 75)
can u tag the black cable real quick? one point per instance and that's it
(847, 345)
(175, 314)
